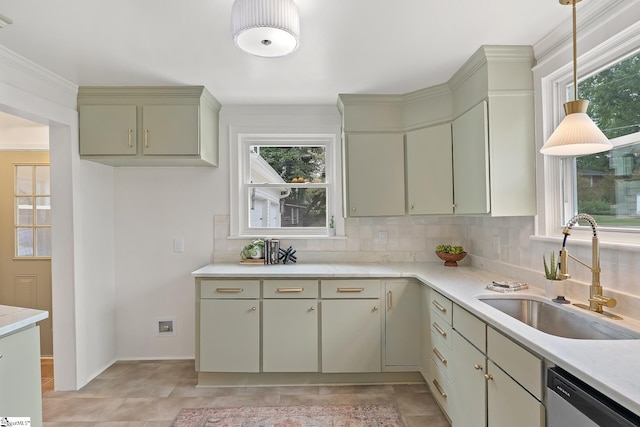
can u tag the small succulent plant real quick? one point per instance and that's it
(551, 270)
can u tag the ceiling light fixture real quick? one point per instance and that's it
(268, 28)
(576, 134)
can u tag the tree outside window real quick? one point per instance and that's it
(607, 184)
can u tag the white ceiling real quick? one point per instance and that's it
(347, 46)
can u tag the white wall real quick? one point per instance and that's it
(154, 206)
(82, 226)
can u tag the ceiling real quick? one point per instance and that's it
(347, 46)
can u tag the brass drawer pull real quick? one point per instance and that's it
(439, 306)
(289, 290)
(130, 143)
(439, 356)
(229, 290)
(439, 329)
(440, 390)
(488, 377)
(478, 367)
(350, 289)
(146, 138)
(389, 300)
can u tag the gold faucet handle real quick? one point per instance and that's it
(604, 300)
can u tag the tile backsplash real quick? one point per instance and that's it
(503, 245)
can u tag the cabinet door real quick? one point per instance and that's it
(508, 404)
(351, 335)
(171, 130)
(425, 331)
(107, 130)
(229, 335)
(375, 174)
(429, 171)
(402, 324)
(20, 389)
(290, 335)
(471, 161)
(469, 384)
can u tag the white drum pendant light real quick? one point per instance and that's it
(268, 28)
(577, 134)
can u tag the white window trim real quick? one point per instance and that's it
(552, 95)
(240, 170)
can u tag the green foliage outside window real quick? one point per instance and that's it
(608, 184)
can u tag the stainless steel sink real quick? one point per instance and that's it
(553, 319)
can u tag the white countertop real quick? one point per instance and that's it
(14, 318)
(610, 366)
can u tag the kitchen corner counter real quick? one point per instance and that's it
(15, 318)
(609, 366)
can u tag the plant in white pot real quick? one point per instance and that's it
(332, 227)
(554, 286)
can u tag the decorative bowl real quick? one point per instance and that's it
(451, 260)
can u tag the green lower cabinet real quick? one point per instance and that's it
(290, 335)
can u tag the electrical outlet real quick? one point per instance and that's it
(178, 244)
(166, 327)
(382, 237)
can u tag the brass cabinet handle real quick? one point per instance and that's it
(440, 390)
(350, 289)
(439, 329)
(375, 308)
(478, 367)
(312, 308)
(130, 143)
(439, 306)
(229, 290)
(289, 290)
(146, 138)
(253, 309)
(488, 377)
(439, 356)
(389, 300)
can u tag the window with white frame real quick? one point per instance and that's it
(286, 184)
(607, 185)
(32, 211)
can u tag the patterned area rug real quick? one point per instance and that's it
(292, 416)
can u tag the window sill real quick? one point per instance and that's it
(583, 238)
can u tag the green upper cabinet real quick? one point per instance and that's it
(375, 174)
(469, 144)
(149, 126)
(471, 161)
(108, 130)
(429, 170)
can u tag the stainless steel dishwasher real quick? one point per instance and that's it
(573, 403)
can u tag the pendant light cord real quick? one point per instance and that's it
(575, 53)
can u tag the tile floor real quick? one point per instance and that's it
(150, 393)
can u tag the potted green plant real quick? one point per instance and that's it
(332, 227)
(254, 250)
(450, 254)
(554, 286)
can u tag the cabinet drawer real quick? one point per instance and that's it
(441, 388)
(441, 305)
(441, 354)
(523, 366)
(290, 289)
(470, 327)
(230, 289)
(350, 288)
(441, 329)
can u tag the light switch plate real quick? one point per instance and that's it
(178, 244)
